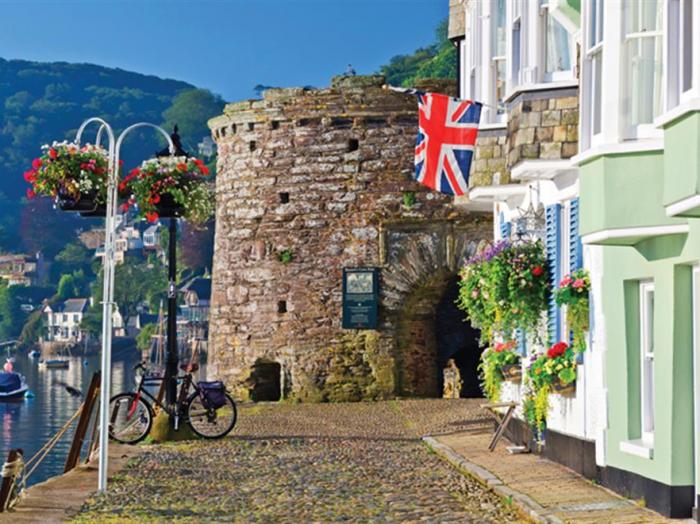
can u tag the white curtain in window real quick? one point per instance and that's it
(558, 53)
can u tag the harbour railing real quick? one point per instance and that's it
(15, 471)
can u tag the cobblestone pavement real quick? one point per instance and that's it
(308, 463)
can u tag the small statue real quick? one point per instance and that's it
(350, 71)
(177, 144)
(452, 380)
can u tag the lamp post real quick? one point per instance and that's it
(114, 148)
(171, 360)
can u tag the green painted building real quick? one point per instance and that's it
(639, 176)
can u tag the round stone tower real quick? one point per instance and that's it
(310, 182)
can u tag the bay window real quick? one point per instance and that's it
(498, 58)
(679, 51)
(642, 45)
(516, 36)
(475, 50)
(556, 47)
(592, 72)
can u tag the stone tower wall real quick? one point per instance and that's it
(310, 182)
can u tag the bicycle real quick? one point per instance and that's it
(209, 410)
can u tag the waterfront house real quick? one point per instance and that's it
(519, 59)
(63, 321)
(639, 164)
(605, 145)
(23, 270)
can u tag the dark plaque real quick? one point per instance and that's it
(360, 297)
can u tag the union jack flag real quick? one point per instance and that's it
(447, 129)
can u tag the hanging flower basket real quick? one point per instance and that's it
(170, 187)
(84, 203)
(512, 372)
(564, 389)
(75, 176)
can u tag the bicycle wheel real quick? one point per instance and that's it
(210, 422)
(130, 420)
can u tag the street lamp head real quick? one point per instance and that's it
(177, 143)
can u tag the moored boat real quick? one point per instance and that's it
(12, 386)
(35, 353)
(55, 363)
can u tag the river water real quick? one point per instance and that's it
(30, 423)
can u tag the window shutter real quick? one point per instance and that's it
(575, 246)
(505, 227)
(552, 248)
(520, 339)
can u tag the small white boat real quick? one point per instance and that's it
(13, 386)
(55, 363)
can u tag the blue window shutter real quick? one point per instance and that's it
(553, 254)
(575, 246)
(520, 338)
(505, 227)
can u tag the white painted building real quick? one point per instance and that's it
(63, 320)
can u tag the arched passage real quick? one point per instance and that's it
(430, 331)
(419, 289)
(456, 339)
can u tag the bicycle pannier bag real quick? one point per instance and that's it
(214, 394)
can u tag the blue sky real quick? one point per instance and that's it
(227, 46)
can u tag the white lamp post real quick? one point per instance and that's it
(108, 276)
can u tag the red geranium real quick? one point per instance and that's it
(537, 271)
(30, 194)
(557, 349)
(151, 216)
(53, 153)
(36, 163)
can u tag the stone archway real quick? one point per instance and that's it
(419, 278)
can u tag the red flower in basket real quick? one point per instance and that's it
(151, 216)
(557, 349)
(537, 271)
(53, 153)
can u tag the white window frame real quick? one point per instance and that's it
(645, 130)
(558, 76)
(646, 363)
(678, 49)
(592, 56)
(493, 60)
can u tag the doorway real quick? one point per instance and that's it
(265, 381)
(458, 340)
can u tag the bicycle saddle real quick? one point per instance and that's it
(189, 368)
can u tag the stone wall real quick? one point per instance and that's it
(310, 182)
(542, 125)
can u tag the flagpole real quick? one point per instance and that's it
(414, 91)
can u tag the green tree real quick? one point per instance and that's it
(73, 285)
(438, 60)
(191, 110)
(143, 339)
(11, 315)
(74, 256)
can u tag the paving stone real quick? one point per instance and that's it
(361, 462)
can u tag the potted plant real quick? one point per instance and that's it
(573, 292)
(75, 176)
(170, 187)
(499, 363)
(505, 287)
(550, 372)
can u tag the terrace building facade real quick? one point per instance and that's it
(597, 109)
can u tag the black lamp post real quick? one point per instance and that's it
(171, 361)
